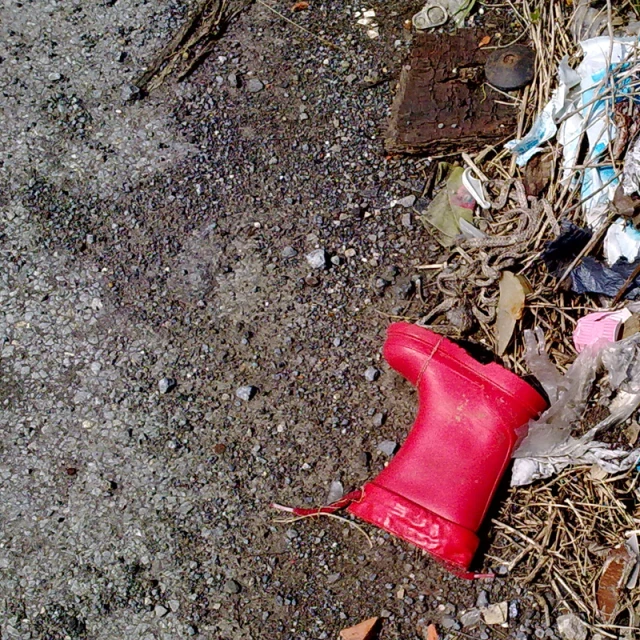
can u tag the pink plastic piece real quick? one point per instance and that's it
(602, 325)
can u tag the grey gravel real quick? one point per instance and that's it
(130, 92)
(336, 491)
(388, 447)
(471, 618)
(232, 587)
(234, 80)
(406, 220)
(289, 252)
(371, 374)
(141, 237)
(246, 392)
(407, 201)
(571, 627)
(448, 622)
(317, 259)
(482, 600)
(160, 611)
(166, 384)
(378, 419)
(254, 85)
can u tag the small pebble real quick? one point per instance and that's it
(317, 259)
(372, 374)
(407, 201)
(234, 80)
(350, 253)
(448, 622)
(246, 392)
(406, 220)
(231, 586)
(130, 92)
(166, 384)
(378, 419)
(254, 85)
(482, 600)
(160, 611)
(387, 447)
(471, 618)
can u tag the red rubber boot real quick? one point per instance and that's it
(438, 487)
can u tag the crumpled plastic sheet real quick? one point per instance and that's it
(549, 447)
(621, 240)
(560, 252)
(631, 171)
(592, 276)
(580, 103)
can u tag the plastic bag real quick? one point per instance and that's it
(549, 447)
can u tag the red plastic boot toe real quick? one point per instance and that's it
(438, 487)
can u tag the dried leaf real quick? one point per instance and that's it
(432, 632)
(365, 630)
(300, 6)
(510, 307)
(484, 42)
(615, 573)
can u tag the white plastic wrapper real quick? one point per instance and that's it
(581, 104)
(549, 447)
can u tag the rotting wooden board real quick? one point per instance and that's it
(443, 103)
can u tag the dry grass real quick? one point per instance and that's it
(554, 538)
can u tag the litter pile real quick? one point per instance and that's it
(540, 224)
(542, 230)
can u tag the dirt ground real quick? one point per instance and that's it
(166, 238)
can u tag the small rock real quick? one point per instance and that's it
(406, 220)
(254, 85)
(404, 288)
(317, 259)
(337, 260)
(571, 627)
(372, 374)
(292, 534)
(174, 605)
(303, 116)
(381, 284)
(54, 76)
(166, 384)
(351, 78)
(160, 611)
(471, 618)
(231, 586)
(482, 600)
(407, 201)
(234, 80)
(387, 447)
(130, 92)
(350, 253)
(378, 419)
(336, 491)
(246, 392)
(333, 577)
(337, 342)
(514, 610)
(496, 613)
(363, 459)
(448, 622)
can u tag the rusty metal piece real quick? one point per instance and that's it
(510, 68)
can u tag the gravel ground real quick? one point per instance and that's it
(195, 288)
